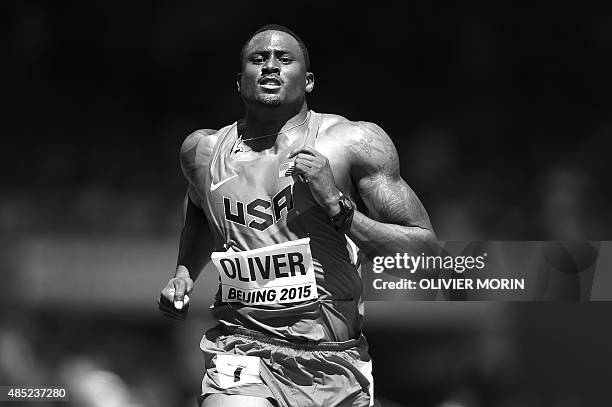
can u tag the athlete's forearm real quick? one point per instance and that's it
(196, 242)
(376, 238)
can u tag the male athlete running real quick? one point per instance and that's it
(286, 193)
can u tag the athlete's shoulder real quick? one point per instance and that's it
(365, 142)
(339, 127)
(199, 145)
(202, 138)
(197, 149)
(332, 124)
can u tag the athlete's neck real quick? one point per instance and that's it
(263, 127)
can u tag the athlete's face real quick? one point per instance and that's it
(274, 71)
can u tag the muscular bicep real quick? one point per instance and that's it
(390, 200)
(193, 196)
(196, 241)
(376, 173)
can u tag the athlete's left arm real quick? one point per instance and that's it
(397, 221)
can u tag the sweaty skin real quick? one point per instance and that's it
(355, 158)
(364, 165)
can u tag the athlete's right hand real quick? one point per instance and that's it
(174, 299)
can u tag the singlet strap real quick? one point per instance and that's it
(313, 127)
(219, 144)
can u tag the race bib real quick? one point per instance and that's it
(237, 370)
(278, 274)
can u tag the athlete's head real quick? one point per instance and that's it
(275, 68)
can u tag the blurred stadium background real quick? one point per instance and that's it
(501, 116)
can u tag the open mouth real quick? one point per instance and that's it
(270, 82)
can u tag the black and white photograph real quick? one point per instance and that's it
(306, 205)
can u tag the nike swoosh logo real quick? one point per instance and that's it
(214, 186)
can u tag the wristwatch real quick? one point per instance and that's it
(342, 221)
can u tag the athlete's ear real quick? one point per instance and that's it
(238, 77)
(309, 82)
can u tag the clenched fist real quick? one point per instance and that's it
(313, 168)
(174, 299)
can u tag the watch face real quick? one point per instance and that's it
(349, 204)
(343, 220)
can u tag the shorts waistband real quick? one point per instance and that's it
(302, 345)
